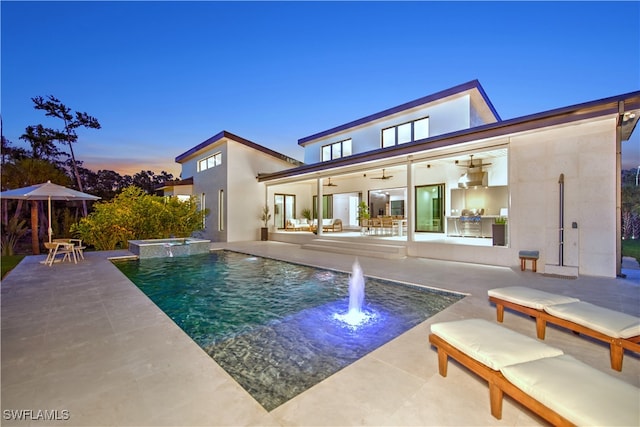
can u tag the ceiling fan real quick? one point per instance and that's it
(383, 176)
(471, 165)
(330, 184)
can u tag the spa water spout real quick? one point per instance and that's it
(168, 247)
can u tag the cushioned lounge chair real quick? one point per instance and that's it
(621, 331)
(555, 386)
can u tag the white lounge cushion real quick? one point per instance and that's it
(490, 344)
(609, 322)
(528, 297)
(578, 392)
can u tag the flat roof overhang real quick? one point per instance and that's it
(473, 89)
(224, 136)
(615, 106)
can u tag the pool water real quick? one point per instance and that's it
(272, 325)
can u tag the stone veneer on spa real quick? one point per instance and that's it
(158, 248)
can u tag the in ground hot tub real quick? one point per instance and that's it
(156, 248)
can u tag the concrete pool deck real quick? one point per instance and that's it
(86, 345)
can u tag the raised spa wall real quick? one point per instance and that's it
(158, 248)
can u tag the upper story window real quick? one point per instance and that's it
(336, 150)
(406, 132)
(209, 162)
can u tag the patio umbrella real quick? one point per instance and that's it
(47, 191)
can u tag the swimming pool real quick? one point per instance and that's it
(271, 324)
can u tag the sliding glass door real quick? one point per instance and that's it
(327, 206)
(430, 208)
(284, 209)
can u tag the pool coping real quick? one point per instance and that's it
(83, 338)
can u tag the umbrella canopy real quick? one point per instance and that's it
(47, 191)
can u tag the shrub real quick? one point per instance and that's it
(11, 233)
(136, 215)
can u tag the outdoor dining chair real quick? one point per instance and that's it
(387, 225)
(78, 247)
(376, 224)
(60, 247)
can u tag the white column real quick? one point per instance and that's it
(411, 220)
(319, 207)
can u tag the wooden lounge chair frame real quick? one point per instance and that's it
(498, 384)
(616, 345)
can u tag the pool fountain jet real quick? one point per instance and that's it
(168, 246)
(356, 289)
(355, 316)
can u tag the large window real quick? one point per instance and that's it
(336, 150)
(209, 162)
(203, 206)
(405, 132)
(221, 210)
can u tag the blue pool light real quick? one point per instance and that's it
(279, 328)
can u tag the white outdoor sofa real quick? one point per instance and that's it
(557, 387)
(297, 224)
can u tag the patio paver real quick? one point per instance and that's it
(83, 339)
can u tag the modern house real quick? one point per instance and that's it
(222, 175)
(442, 170)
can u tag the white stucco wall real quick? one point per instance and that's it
(585, 154)
(245, 195)
(444, 117)
(209, 182)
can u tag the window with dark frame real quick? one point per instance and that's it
(406, 132)
(336, 150)
(209, 162)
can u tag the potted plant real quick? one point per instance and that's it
(306, 214)
(499, 231)
(363, 216)
(265, 217)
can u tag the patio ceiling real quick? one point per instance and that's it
(396, 166)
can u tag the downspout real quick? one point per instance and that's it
(561, 228)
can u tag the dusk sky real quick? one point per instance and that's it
(161, 77)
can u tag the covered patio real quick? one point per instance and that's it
(415, 201)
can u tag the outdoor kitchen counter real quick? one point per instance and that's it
(457, 227)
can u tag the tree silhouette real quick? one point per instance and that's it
(53, 107)
(42, 141)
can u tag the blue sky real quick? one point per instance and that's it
(161, 77)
